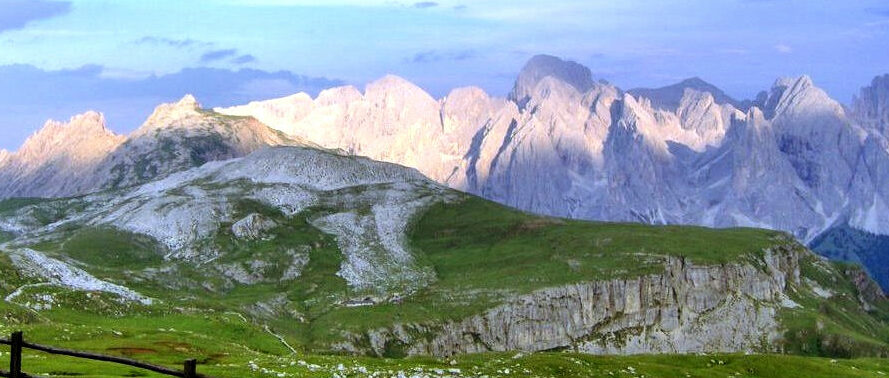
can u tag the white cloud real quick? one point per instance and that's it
(783, 48)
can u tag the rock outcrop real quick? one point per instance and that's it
(687, 308)
(253, 226)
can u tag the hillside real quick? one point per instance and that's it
(334, 255)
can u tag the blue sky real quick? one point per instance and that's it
(122, 57)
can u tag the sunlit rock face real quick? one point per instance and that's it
(564, 144)
(56, 160)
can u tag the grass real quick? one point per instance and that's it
(225, 363)
(10, 205)
(6, 236)
(482, 253)
(107, 246)
(485, 245)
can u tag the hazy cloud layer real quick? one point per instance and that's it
(433, 56)
(214, 55)
(170, 42)
(15, 14)
(244, 59)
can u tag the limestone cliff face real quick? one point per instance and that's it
(871, 106)
(687, 308)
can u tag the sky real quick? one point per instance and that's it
(123, 57)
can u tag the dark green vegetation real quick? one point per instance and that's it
(48, 211)
(832, 323)
(848, 244)
(12, 204)
(106, 246)
(481, 253)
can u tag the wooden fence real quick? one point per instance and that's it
(17, 343)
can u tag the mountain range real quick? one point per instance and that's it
(260, 237)
(561, 144)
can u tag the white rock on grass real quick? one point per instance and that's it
(253, 226)
(59, 273)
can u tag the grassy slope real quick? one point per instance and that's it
(834, 326)
(480, 252)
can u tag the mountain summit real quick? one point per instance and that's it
(669, 97)
(542, 66)
(54, 158)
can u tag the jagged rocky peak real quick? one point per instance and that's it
(88, 122)
(670, 97)
(871, 106)
(794, 96)
(166, 114)
(81, 131)
(543, 66)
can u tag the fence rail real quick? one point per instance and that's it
(17, 343)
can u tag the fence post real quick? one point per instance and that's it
(15, 355)
(191, 367)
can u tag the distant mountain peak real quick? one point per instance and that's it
(397, 91)
(670, 97)
(695, 82)
(799, 82)
(392, 84)
(796, 95)
(542, 66)
(87, 125)
(89, 120)
(871, 105)
(391, 80)
(165, 114)
(188, 101)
